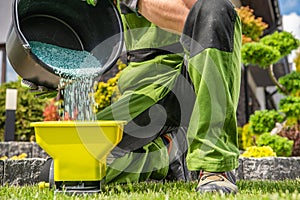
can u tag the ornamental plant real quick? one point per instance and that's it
(297, 60)
(291, 83)
(107, 92)
(259, 54)
(252, 27)
(248, 137)
(51, 111)
(240, 141)
(290, 106)
(292, 133)
(263, 121)
(269, 50)
(16, 157)
(281, 145)
(283, 41)
(29, 109)
(258, 152)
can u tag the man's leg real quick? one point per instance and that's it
(163, 158)
(212, 38)
(176, 108)
(149, 162)
(138, 158)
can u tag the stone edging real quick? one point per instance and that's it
(32, 149)
(26, 171)
(20, 172)
(268, 168)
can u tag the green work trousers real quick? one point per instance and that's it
(209, 65)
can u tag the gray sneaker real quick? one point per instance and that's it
(217, 182)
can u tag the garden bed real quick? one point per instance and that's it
(26, 171)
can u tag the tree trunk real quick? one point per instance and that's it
(272, 76)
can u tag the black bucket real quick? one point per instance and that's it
(71, 24)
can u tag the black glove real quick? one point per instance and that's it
(91, 2)
(39, 91)
(132, 5)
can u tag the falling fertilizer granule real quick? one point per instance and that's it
(78, 70)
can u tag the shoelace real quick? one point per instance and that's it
(205, 175)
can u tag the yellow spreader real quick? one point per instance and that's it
(78, 148)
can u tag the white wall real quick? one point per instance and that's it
(5, 18)
(5, 23)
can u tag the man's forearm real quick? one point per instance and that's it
(167, 14)
(189, 3)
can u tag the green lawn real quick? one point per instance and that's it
(249, 190)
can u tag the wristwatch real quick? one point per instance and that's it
(132, 5)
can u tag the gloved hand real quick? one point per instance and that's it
(38, 91)
(91, 2)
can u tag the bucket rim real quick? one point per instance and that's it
(78, 123)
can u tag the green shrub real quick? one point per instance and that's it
(281, 145)
(108, 92)
(292, 133)
(29, 109)
(283, 41)
(248, 138)
(291, 107)
(269, 49)
(240, 141)
(263, 121)
(258, 152)
(291, 83)
(259, 54)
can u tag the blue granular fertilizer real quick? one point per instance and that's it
(78, 70)
(67, 63)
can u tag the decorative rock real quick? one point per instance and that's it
(22, 172)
